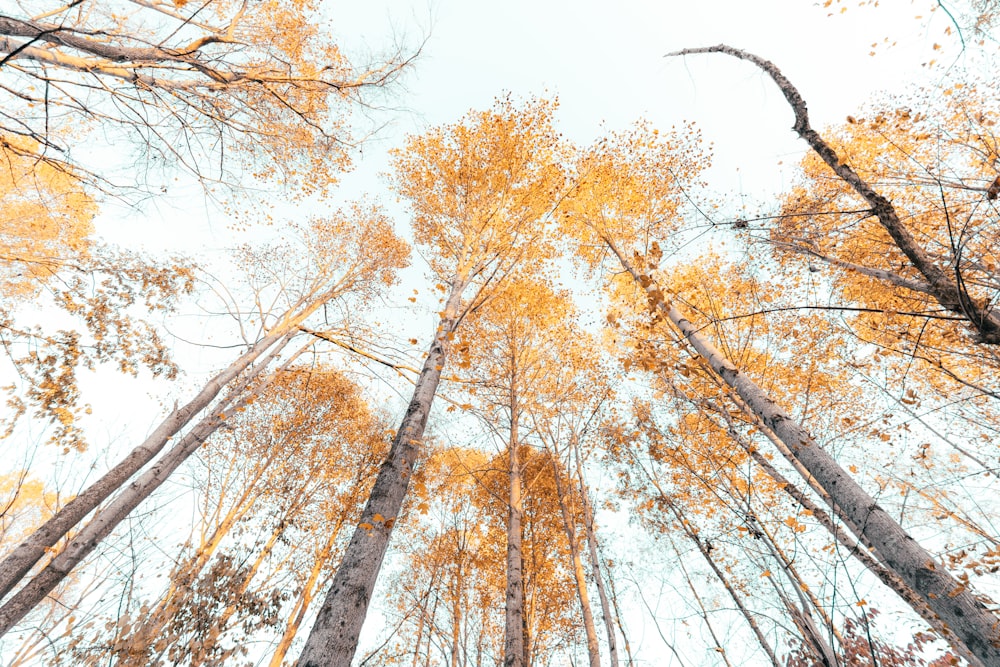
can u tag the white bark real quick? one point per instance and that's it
(333, 639)
(513, 644)
(949, 599)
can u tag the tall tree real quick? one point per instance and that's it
(511, 346)
(480, 191)
(334, 268)
(227, 90)
(286, 472)
(610, 211)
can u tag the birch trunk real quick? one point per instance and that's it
(702, 610)
(333, 639)
(593, 648)
(706, 552)
(595, 561)
(514, 645)
(19, 562)
(84, 542)
(949, 599)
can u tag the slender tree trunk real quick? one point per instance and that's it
(84, 542)
(514, 644)
(593, 647)
(807, 598)
(821, 652)
(703, 612)
(595, 561)
(334, 637)
(957, 606)
(305, 597)
(422, 607)
(859, 551)
(706, 552)
(20, 561)
(630, 661)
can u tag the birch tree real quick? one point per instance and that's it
(612, 212)
(510, 347)
(325, 243)
(286, 471)
(480, 191)
(225, 90)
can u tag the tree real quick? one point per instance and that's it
(333, 268)
(286, 471)
(480, 191)
(950, 291)
(608, 211)
(226, 90)
(49, 258)
(936, 167)
(510, 346)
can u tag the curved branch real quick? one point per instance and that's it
(943, 289)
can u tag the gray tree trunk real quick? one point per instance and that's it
(957, 607)
(333, 639)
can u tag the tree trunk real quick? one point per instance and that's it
(84, 542)
(514, 644)
(950, 600)
(334, 637)
(702, 610)
(595, 561)
(593, 648)
(630, 660)
(706, 552)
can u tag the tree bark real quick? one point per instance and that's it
(949, 599)
(593, 647)
(333, 639)
(513, 651)
(595, 560)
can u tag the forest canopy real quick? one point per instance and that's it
(328, 349)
